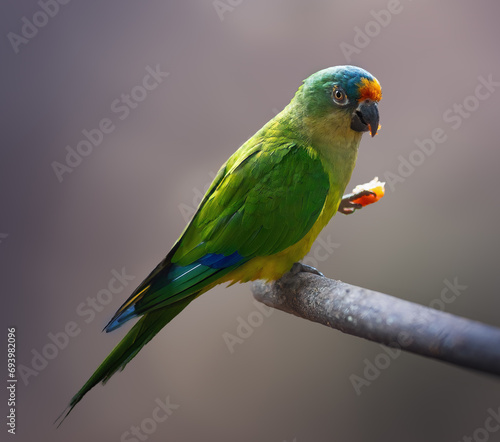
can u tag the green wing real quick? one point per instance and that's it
(263, 200)
(264, 203)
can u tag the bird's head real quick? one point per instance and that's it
(346, 96)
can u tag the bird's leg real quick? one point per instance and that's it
(298, 267)
(347, 206)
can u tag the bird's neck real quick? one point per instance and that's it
(330, 137)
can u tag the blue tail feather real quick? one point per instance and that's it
(127, 314)
(173, 283)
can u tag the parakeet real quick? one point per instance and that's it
(264, 209)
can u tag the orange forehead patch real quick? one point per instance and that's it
(370, 89)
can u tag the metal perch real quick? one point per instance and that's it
(384, 319)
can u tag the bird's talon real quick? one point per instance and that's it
(355, 196)
(347, 206)
(299, 267)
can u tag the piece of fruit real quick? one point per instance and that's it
(375, 186)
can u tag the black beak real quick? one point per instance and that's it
(365, 118)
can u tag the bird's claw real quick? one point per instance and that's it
(347, 206)
(298, 267)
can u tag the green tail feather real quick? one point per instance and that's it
(140, 334)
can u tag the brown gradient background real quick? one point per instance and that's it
(120, 208)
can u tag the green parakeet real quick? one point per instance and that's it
(264, 209)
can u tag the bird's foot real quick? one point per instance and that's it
(347, 206)
(298, 267)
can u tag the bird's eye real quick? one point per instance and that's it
(339, 96)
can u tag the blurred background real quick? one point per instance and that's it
(67, 224)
